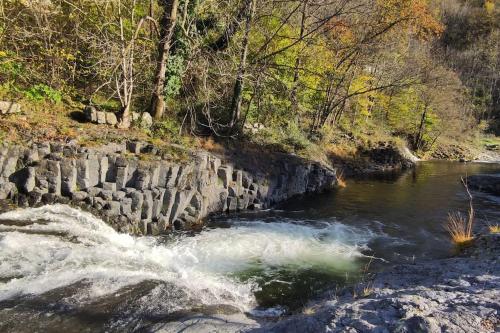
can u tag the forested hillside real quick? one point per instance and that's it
(286, 73)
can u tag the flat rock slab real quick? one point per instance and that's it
(459, 294)
(207, 323)
(9, 107)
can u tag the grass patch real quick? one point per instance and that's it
(210, 145)
(494, 229)
(491, 141)
(341, 182)
(309, 311)
(460, 229)
(367, 289)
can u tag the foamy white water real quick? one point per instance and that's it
(62, 246)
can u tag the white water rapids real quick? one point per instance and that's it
(42, 249)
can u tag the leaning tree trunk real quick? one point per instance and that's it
(238, 86)
(168, 21)
(293, 96)
(126, 86)
(419, 137)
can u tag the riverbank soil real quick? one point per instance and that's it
(66, 123)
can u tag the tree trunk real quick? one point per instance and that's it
(125, 121)
(238, 86)
(420, 134)
(293, 95)
(127, 78)
(167, 26)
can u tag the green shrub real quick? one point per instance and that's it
(175, 70)
(295, 137)
(168, 129)
(287, 138)
(42, 92)
(9, 67)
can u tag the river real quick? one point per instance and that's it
(64, 270)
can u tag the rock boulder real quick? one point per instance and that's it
(9, 107)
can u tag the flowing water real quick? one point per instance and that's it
(64, 270)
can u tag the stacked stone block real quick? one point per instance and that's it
(146, 197)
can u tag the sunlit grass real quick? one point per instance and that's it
(309, 311)
(491, 141)
(494, 229)
(341, 182)
(460, 228)
(368, 289)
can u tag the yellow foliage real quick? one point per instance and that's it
(365, 100)
(489, 5)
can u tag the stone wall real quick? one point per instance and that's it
(153, 196)
(93, 115)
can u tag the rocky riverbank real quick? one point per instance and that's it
(458, 294)
(139, 189)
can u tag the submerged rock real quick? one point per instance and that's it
(485, 183)
(201, 323)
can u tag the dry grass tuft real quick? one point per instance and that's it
(460, 228)
(309, 311)
(210, 145)
(342, 151)
(341, 182)
(494, 229)
(368, 289)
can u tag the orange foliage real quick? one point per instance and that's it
(415, 14)
(338, 29)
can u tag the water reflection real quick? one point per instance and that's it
(408, 208)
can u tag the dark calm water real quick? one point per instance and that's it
(403, 215)
(407, 209)
(64, 270)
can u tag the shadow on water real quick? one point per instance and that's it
(294, 287)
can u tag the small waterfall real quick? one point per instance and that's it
(42, 249)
